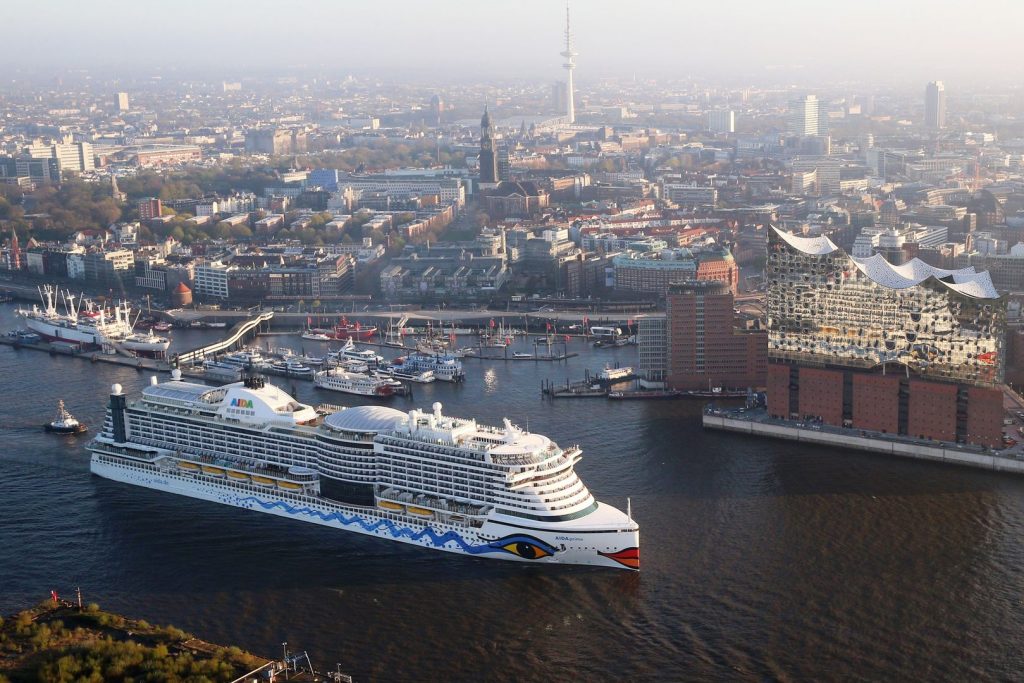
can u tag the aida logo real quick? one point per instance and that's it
(241, 403)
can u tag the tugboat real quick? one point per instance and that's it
(65, 422)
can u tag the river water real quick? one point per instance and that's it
(760, 559)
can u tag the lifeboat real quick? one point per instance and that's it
(289, 486)
(262, 481)
(238, 476)
(388, 505)
(213, 471)
(188, 466)
(419, 512)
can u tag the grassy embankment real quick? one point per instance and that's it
(54, 643)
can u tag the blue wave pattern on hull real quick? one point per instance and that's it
(512, 545)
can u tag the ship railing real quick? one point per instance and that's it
(436, 504)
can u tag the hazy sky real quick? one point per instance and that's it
(866, 40)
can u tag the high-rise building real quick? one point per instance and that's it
(707, 346)
(437, 108)
(805, 117)
(861, 343)
(569, 66)
(935, 105)
(149, 208)
(722, 121)
(488, 152)
(122, 102)
(70, 156)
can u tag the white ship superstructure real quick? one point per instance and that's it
(89, 325)
(446, 367)
(418, 477)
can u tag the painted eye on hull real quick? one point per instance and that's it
(526, 547)
(526, 550)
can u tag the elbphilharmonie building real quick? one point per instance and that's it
(862, 343)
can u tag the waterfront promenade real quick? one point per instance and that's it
(756, 422)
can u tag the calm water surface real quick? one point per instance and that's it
(762, 560)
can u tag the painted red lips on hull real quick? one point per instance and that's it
(630, 557)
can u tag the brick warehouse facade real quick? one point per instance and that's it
(860, 343)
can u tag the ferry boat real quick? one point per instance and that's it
(446, 367)
(397, 387)
(249, 358)
(225, 371)
(65, 422)
(410, 375)
(610, 374)
(292, 368)
(497, 492)
(349, 365)
(350, 352)
(352, 383)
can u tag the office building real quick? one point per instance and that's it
(652, 347)
(805, 117)
(75, 157)
(909, 349)
(122, 102)
(326, 178)
(709, 346)
(722, 121)
(655, 273)
(935, 105)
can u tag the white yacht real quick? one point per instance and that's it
(422, 478)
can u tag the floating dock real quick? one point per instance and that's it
(59, 349)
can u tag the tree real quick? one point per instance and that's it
(241, 232)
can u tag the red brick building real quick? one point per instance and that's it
(708, 345)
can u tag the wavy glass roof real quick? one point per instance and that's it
(816, 246)
(965, 281)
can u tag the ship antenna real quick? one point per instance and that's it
(629, 508)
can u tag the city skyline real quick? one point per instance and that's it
(433, 40)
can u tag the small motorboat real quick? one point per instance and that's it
(65, 422)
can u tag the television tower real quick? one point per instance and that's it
(570, 64)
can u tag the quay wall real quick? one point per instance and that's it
(900, 449)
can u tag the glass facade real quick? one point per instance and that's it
(827, 308)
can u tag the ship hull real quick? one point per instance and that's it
(52, 332)
(494, 540)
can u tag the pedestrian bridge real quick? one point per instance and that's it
(236, 334)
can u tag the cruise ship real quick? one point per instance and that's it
(422, 478)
